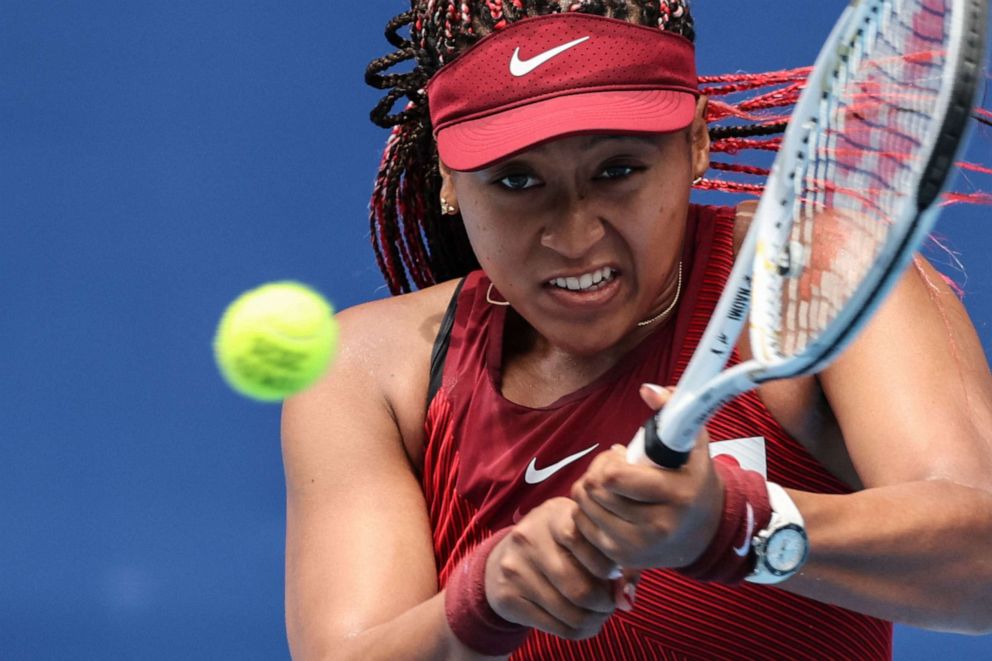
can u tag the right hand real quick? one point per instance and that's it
(546, 575)
(642, 516)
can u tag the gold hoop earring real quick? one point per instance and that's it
(447, 209)
(489, 297)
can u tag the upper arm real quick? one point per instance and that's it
(358, 543)
(913, 393)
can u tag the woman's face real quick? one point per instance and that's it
(582, 235)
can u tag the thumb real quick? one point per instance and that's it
(655, 396)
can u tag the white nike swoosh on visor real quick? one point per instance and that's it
(746, 546)
(535, 475)
(520, 67)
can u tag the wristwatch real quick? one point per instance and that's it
(780, 549)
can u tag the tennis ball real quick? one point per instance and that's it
(275, 340)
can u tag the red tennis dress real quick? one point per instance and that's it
(488, 461)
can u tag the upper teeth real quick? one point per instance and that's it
(584, 281)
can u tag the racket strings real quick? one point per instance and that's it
(862, 162)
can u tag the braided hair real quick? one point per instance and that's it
(415, 246)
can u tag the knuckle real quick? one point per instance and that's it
(519, 538)
(597, 467)
(613, 474)
(508, 565)
(569, 535)
(508, 568)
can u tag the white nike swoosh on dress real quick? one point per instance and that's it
(534, 475)
(520, 67)
(746, 546)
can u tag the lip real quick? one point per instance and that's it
(584, 300)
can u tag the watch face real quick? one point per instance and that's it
(786, 549)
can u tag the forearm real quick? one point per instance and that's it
(915, 553)
(421, 632)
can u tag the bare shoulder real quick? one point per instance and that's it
(375, 333)
(384, 352)
(745, 212)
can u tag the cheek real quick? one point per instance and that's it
(657, 240)
(498, 231)
(489, 238)
(663, 211)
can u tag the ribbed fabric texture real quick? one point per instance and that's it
(480, 444)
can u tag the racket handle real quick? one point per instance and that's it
(647, 448)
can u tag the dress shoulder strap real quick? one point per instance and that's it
(440, 351)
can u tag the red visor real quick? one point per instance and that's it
(556, 75)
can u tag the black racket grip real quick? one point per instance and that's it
(657, 451)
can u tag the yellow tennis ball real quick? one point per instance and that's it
(276, 340)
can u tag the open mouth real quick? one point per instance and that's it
(586, 282)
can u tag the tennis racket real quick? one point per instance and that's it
(851, 195)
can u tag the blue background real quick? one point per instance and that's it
(156, 159)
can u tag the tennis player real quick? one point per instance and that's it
(453, 486)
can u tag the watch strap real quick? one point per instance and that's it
(784, 513)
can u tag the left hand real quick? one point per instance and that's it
(643, 516)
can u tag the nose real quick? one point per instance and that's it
(574, 230)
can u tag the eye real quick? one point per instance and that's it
(617, 171)
(518, 182)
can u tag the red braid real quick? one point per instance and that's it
(734, 145)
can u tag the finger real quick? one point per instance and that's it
(588, 487)
(591, 558)
(547, 622)
(604, 541)
(654, 395)
(643, 484)
(581, 589)
(604, 506)
(569, 575)
(612, 526)
(561, 595)
(524, 594)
